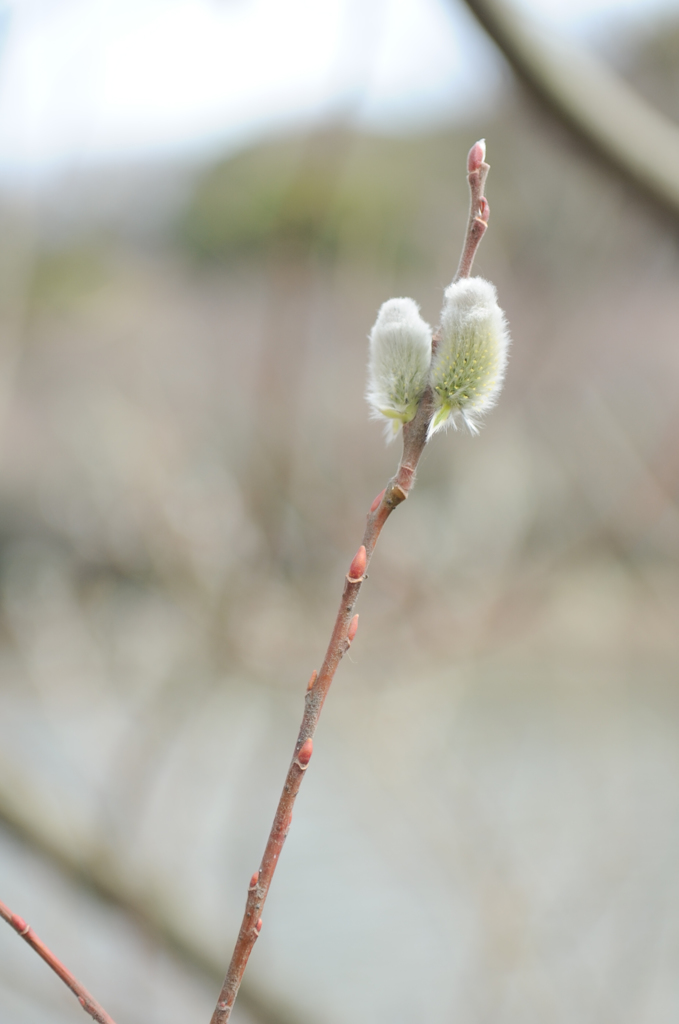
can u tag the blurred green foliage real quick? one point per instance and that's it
(333, 194)
(64, 277)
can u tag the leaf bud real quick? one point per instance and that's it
(476, 156)
(358, 564)
(305, 752)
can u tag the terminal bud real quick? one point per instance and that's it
(477, 155)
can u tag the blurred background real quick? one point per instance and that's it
(202, 206)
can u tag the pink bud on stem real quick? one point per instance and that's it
(378, 499)
(353, 627)
(357, 567)
(477, 155)
(305, 752)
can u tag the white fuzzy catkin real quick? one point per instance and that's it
(469, 364)
(399, 362)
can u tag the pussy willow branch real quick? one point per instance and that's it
(88, 1003)
(346, 623)
(344, 631)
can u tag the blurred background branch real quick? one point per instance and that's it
(634, 139)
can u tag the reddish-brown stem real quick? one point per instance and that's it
(479, 211)
(396, 491)
(344, 631)
(88, 1003)
(346, 623)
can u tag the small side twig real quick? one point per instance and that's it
(479, 210)
(88, 1003)
(415, 435)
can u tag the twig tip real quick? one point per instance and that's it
(477, 156)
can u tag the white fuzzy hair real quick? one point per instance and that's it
(398, 364)
(468, 367)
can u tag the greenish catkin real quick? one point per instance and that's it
(399, 363)
(468, 368)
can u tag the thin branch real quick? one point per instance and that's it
(636, 141)
(88, 1002)
(346, 624)
(344, 630)
(479, 210)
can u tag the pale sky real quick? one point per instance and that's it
(91, 81)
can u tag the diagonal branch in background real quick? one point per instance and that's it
(636, 141)
(415, 435)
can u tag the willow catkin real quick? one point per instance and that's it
(468, 368)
